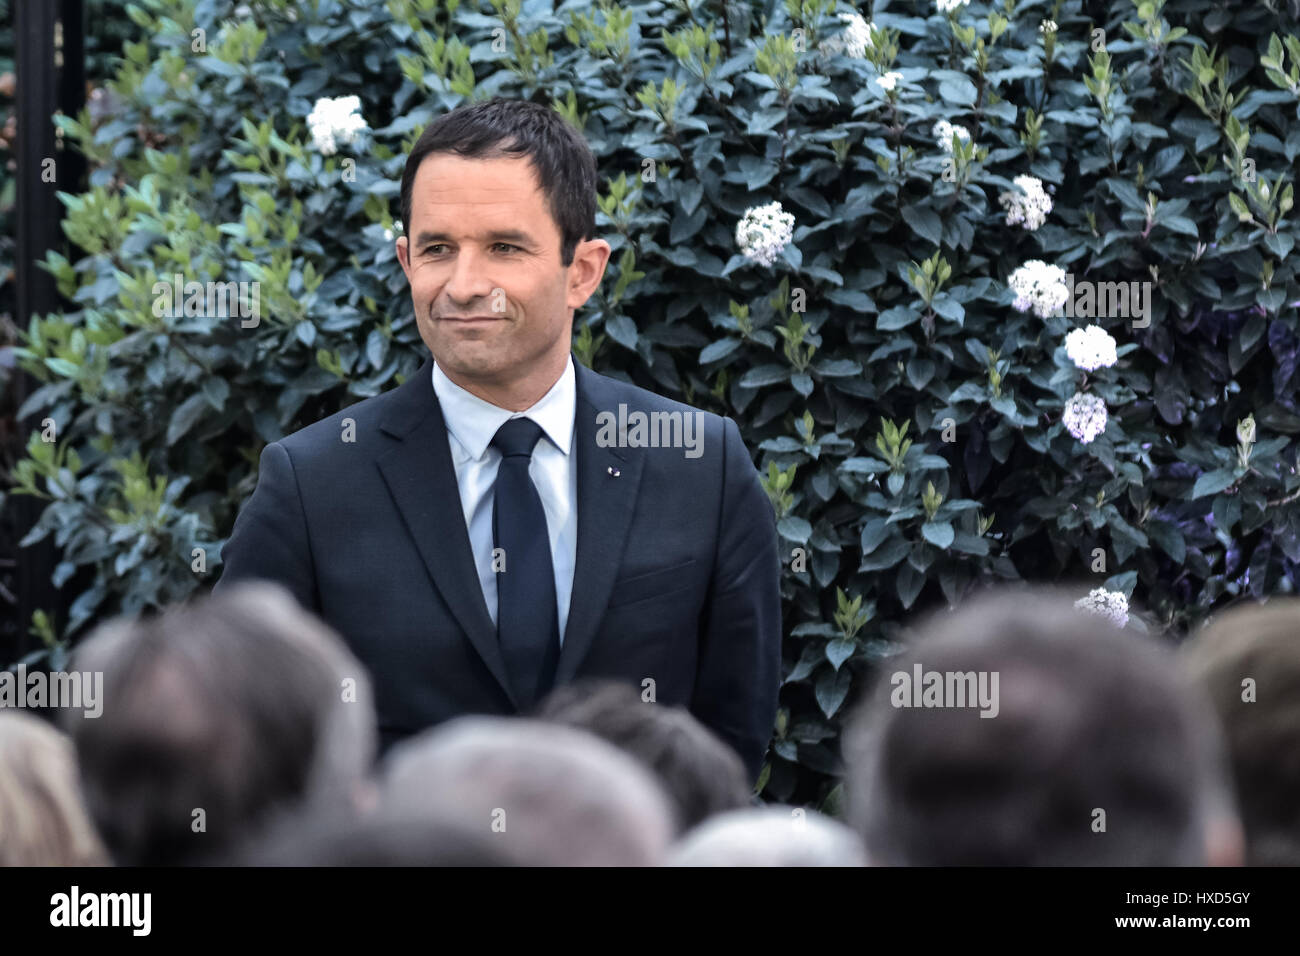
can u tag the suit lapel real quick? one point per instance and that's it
(606, 503)
(420, 475)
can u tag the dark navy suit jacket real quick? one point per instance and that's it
(676, 578)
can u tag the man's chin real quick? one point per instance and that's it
(484, 365)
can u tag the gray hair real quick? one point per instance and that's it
(551, 795)
(770, 836)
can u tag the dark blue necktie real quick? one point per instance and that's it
(527, 622)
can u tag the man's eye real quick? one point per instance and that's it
(434, 248)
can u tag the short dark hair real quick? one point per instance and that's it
(501, 127)
(701, 773)
(1087, 716)
(232, 704)
(1260, 642)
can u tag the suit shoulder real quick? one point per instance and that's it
(361, 418)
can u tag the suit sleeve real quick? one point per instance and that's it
(739, 669)
(270, 538)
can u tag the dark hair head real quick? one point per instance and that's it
(701, 773)
(1248, 659)
(501, 128)
(232, 705)
(1087, 718)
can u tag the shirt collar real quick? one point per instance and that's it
(474, 422)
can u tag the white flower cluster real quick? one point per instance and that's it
(1091, 348)
(887, 81)
(853, 40)
(1039, 286)
(947, 6)
(1112, 605)
(1047, 26)
(943, 131)
(1030, 206)
(763, 232)
(1084, 416)
(335, 120)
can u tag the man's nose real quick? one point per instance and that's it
(469, 278)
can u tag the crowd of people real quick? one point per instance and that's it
(238, 730)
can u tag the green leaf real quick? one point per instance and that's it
(62, 367)
(899, 317)
(924, 222)
(839, 651)
(1212, 482)
(1169, 539)
(765, 375)
(958, 90)
(886, 556)
(831, 690)
(837, 368)
(873, 533)
(938, 533)
(908, 585)
(718, 350)
(794, 528)
(863, 466)
(216, 391)
(186, 416)
(622, 330)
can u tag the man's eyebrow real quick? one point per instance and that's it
(499, 235)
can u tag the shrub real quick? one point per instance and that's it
(916, 428)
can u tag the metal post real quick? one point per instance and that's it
(48, 77)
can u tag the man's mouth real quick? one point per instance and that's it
(471, 319)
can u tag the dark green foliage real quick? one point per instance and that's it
(907, 417)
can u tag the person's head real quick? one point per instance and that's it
(499, 219)
(374, 839)
(700, 772)
(1019, 730)
(43, 821)
(219, 714)
(769, 836)
(549, 795)
(1248, 661)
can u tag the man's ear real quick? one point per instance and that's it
(403, 254)
(590, 257)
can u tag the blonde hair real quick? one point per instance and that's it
(43, 821)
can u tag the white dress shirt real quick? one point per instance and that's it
(471, 425)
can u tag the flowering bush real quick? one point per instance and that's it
(942, 387)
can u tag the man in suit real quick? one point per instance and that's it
(503, 521)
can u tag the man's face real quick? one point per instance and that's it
(492, 301)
